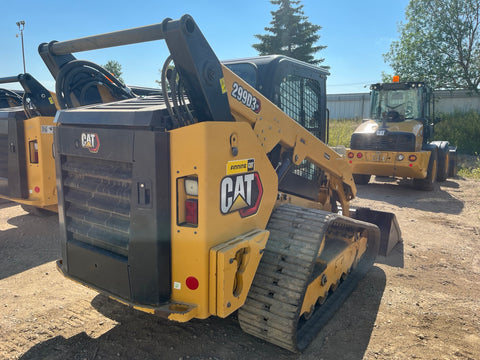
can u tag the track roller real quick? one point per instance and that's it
(302, 277)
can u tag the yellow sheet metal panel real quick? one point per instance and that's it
(387, 163)
(232, 199)
(237, 261)
(40, 162)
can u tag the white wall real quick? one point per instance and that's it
(356, 106)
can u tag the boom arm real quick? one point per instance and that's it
(272, 126)
(216, 94)
(40, 98)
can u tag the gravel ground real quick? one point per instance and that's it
(419, 302)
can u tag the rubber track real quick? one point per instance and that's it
(272, 308)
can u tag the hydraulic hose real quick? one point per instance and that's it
(77, 77)
(6, 95)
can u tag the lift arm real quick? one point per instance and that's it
(194, 59)
(216, 94)
(272, 126)
(40, 99)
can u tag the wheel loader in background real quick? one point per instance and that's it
(209, 198)
(395, 141)
(27, 166)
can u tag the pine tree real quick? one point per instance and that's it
(293, 35)
(115, 68)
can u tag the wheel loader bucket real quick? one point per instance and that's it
(387, 222)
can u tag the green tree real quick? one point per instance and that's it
(291, 33)
(114, 67)
(439, 43)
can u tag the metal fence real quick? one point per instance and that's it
(357, 106)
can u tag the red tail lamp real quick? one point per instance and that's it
(351, 155)
(359, 155)
(33, 149)
(412, 158)
(191, 211)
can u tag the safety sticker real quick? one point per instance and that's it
(239, 166)
(222, 84)
(177, 285)
(46, 129)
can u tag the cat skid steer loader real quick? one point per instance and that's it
(27, 166)
(209, 198)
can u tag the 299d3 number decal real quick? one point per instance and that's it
(246, 98)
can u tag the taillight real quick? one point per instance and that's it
(359, 155)
(191, 211)
(33, 150)
(412, 158)
(351, 155)
(187, 201)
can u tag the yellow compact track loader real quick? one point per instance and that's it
(27, 166)
(395, 142)
(215, 196)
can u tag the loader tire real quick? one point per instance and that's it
(443, 159)
(452, 162)
(272, 310)
(361, 179)
(429, 182)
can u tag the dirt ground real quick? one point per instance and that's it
(420, 302)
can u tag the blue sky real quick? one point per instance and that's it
(356, 34)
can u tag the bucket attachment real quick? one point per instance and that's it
(387, 222)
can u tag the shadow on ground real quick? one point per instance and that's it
(24, 246)
(399, 192)
(395, 258)
(142, 336)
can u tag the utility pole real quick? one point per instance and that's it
(21, 26)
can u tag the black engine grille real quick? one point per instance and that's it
(387, 142)
(97, 202)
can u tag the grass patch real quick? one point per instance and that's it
(468, 166)
(341, 130)
(461, 130)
